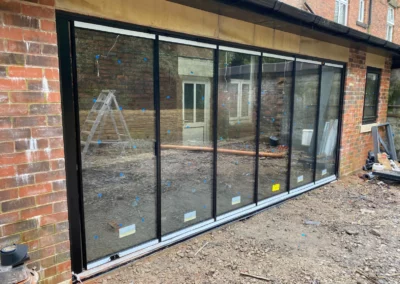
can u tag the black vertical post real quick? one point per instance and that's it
(215, 131)
(259, 78)
(78, 136)
(70, 145)
(340, 122)
(317, 124)
(291, 113)
(156, 74)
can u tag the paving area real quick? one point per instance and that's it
(344, 232)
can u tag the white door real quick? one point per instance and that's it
(195, 106)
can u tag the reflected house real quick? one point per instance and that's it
(222, 108)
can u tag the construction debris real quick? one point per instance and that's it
(256, 277)
(383, 160)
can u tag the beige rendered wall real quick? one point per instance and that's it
(174, 17)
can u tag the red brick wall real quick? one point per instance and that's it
(379, 17)
(354, 7)
(326, 9)
(33, 207)
(355, 145)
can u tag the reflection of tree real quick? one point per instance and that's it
(238, 59)
(233, 59)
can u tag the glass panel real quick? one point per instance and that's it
(245, 100)
(233, 90)
(186, 175)
(189, 103)
(236, 136)
(328, 121)
(371, 95)
(304, 123)
(336, 16)
(200, 97)
(117, 138)
(342, 14)
(276, 86)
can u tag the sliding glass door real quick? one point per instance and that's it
(117, 133)
(304, 123)
(175, 136)
(186, 76)
(276, 89)
(236, 128)
(329, 107)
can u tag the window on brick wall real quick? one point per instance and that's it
(370, 113)
(390, 24)
(361, 11)
(240, 103)
(341, 9)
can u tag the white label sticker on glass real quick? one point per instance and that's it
(236, 200)
(323, 172)
(300, 178)
(189, 216)
(126, 231)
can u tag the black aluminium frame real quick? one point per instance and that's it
(340, 124)
(317, 124)
(215, 132)
(377, 72)
(258, 125)
(157, 146)
(75, 206)
(291, 125)
(68, 80)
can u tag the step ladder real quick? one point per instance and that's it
(104, 106)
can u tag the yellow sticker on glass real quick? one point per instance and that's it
(276, 187)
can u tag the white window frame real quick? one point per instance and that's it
(390, 23)
(239, 106)
(205, 123)
(361, 11)
(338, 3)
(206, 99)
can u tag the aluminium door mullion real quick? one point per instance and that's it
(340, 119)
(74, 196)
(215, 131)
(291, 113)
(258, 119)
(156, 82)
(78, 137)
(317, 123)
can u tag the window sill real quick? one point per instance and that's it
(361, 24)
(235, 121)
(367, 127)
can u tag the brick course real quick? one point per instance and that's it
(32, 179)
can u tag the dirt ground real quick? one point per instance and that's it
(119, 188)
(344, 232)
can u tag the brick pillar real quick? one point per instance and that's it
(354, 88)
(33, 207)
(355, 145)
(384, 91)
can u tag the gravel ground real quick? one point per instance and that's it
(344, 232)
